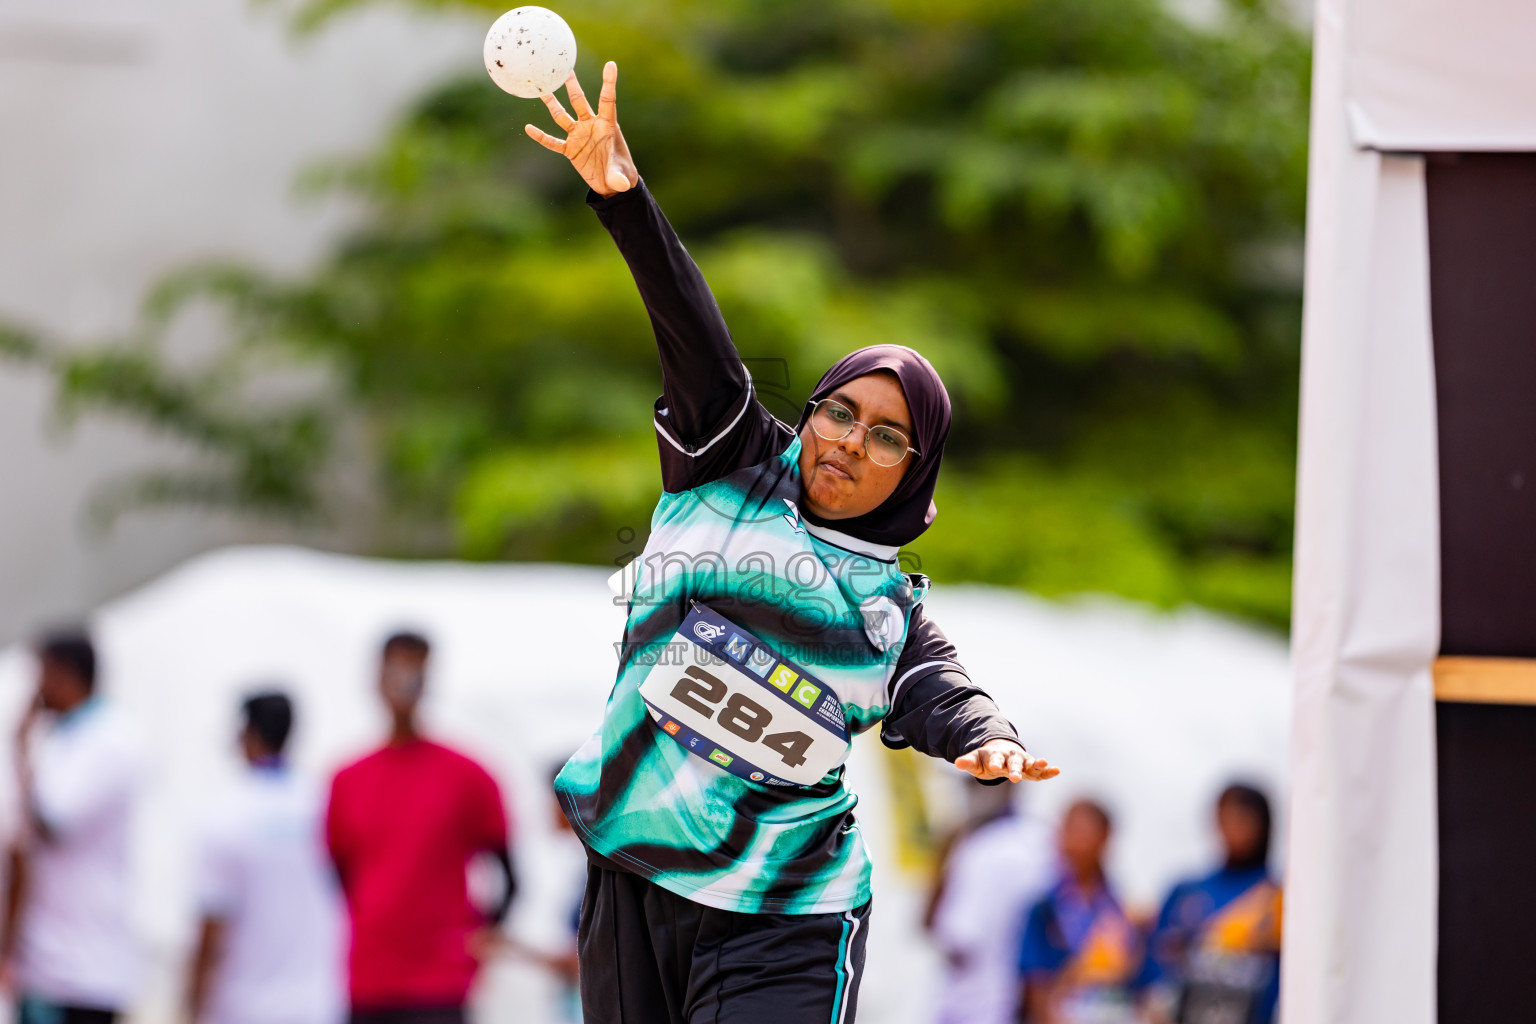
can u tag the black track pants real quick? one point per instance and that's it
(651, 957)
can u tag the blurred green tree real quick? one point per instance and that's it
(1087, 213)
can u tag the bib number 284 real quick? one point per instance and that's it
(741, 715)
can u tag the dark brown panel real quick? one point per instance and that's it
(1482, 245)
(1487, 769)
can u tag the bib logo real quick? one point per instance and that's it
(783, 677)
(760, 662)
(708, 632)
(737, 647)
(756, 776)
(806, 693)
(721, 758)
(671, 728)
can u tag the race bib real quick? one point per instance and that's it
(734, 701)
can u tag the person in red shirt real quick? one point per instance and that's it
(402, 827)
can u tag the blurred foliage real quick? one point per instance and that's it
(260, 457)
(1087, 213)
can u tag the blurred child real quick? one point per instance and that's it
(1214, 957)
(564, 963)
(1080, 952)
(992, 872)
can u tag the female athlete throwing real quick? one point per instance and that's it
(768, 622)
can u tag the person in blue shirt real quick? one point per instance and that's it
(1080, 952)
(1214, 956)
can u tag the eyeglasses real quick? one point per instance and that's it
(886, 446)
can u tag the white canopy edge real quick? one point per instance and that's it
(1431, 75)
(1361, 899)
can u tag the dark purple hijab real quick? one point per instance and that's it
(902, 517)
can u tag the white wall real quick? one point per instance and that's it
(136, 136)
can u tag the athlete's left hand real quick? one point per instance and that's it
(1005, 759)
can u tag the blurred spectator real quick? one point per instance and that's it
(69, 952)
(564, 965)
(562, 962)
(404, 823)
(1080, 952)
(1214, 957)
(268, 951)
(993, 870)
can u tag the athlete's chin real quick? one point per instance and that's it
(830, 498)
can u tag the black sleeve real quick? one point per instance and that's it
(708, 418)
(935, 707)
(498, 913)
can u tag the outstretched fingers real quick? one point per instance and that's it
(1016, 760)
(557, 112)
(607, 100)
(578, 98)
(545, 139)
(1038, 769)
(1006, 762)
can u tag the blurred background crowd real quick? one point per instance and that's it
(288, 271)
(379, 899)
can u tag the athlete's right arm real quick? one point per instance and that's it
(705, 388)
(709, 420)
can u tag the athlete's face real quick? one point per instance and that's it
(837, 478)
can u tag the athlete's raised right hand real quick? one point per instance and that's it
(593, 143)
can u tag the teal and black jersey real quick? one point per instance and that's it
(737, 546)
(727, 536)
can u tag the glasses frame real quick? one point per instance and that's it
(816, 407)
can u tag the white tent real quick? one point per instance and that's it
(1149, 710)
(1393, 80)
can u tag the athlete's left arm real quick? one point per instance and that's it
(936, 709)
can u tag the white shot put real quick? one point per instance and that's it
(530, 51)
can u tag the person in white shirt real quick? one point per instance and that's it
(269, 948)
(68, 954)
(995, 868)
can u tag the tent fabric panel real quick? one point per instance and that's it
(1427, 75)
(1360, 912)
